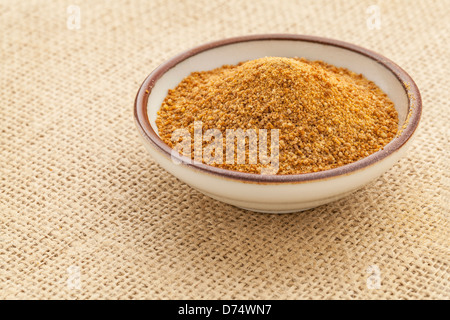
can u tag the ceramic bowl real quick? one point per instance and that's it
(278, 193)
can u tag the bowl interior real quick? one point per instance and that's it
(234, 53)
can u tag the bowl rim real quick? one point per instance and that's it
(150, 135)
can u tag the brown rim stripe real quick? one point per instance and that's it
(414, 98)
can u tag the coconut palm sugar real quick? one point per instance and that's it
(327, 116)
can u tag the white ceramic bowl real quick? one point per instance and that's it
(278, 193)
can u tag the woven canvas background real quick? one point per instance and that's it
(79, 195)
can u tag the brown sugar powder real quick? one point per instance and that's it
(326, 116)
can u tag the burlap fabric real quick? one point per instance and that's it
(87, 214)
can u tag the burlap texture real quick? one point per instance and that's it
(85, 213)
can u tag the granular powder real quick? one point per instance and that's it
(327, 116)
